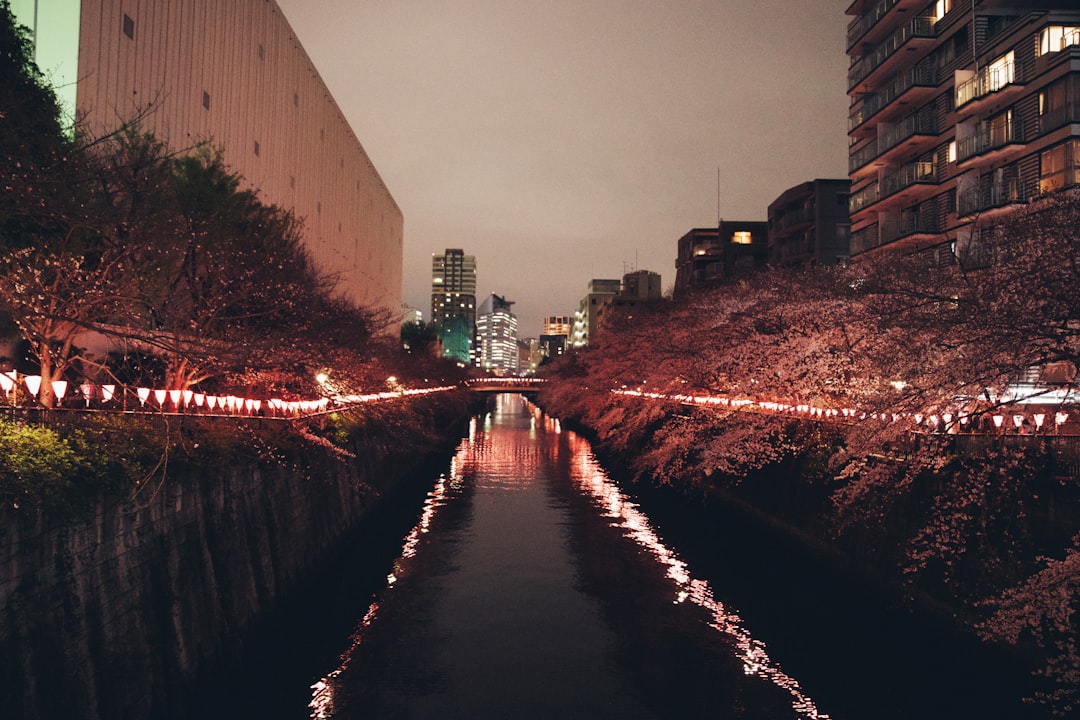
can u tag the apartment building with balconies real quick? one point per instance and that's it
(960, 110)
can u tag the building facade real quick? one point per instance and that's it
(453, 302)
(234, 75)
(600, 292)
(496, 336)
(706, 255)
(960, 111)
(809, 224)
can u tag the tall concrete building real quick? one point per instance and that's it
(453, 302)
(960, 111)
(496, 336)
(232, 74)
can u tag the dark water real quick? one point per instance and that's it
(530, 586)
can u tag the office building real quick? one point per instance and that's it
(496, 336)
(960, 111)
(809, 224)
(453, 302)
(232, 74)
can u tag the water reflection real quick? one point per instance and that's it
(509, 564)
(624, 514)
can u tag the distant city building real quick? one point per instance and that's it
(453, 302)
(552, 346)
(604, 296)
(600, 292)
(960, 111)
(558, 325)
(706, 255)
(496, 335)
(809, 224)
(232, 74)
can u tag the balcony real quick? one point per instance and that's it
(866, 239)
(924, 124)
(924, 75)
(863, 198)
(919, 28)
(911, 223)
(989, 138)
(860, 26)
(988, 197)
(992, 79)
(1059, 117)
(917, 173)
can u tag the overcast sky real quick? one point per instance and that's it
(566, 140)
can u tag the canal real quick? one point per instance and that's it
(528, 585)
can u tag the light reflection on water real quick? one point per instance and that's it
(624, 514)
(505, 464)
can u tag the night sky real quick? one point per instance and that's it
(573, 139)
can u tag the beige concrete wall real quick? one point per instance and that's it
(268, 109)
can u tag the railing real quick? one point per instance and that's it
(988, 137)
(908, 175)
(989, 197)
(989, 80)
(921, 124)
(924, 74)
(910, 223)
(864, 198)
(1059, 117)
(1066, 177)
(861, 26)
(918, 28)
(866, 239)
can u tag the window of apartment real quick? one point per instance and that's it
(1000, 72)
(1001, 128)
(256, 147)
(206, 100)
(1057, 37)
(1058, 166)
(129, 26)
(742, 237)
(952, 151)
(941, 8)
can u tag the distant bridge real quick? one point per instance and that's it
(505, 384)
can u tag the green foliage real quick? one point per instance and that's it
(38, 467)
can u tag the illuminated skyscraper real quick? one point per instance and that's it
(453, 302)
(496, 334)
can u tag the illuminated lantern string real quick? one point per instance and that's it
(998, 419)
(107, 392)
(174, 395)
(87, 391)
(160, 396)
(199, 399)
(7, 382)
(33, 384)
(188, 394)
(1040, 418)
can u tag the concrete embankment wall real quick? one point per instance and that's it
(116, 613)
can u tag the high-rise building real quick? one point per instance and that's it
(453, 302)
(960, 110)
(496, 335)
(232, 74)
(809, 224)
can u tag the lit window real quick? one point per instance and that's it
(1058, 37)
(952, 151)
(941, 8)
(1000, 72)
(742, 237)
